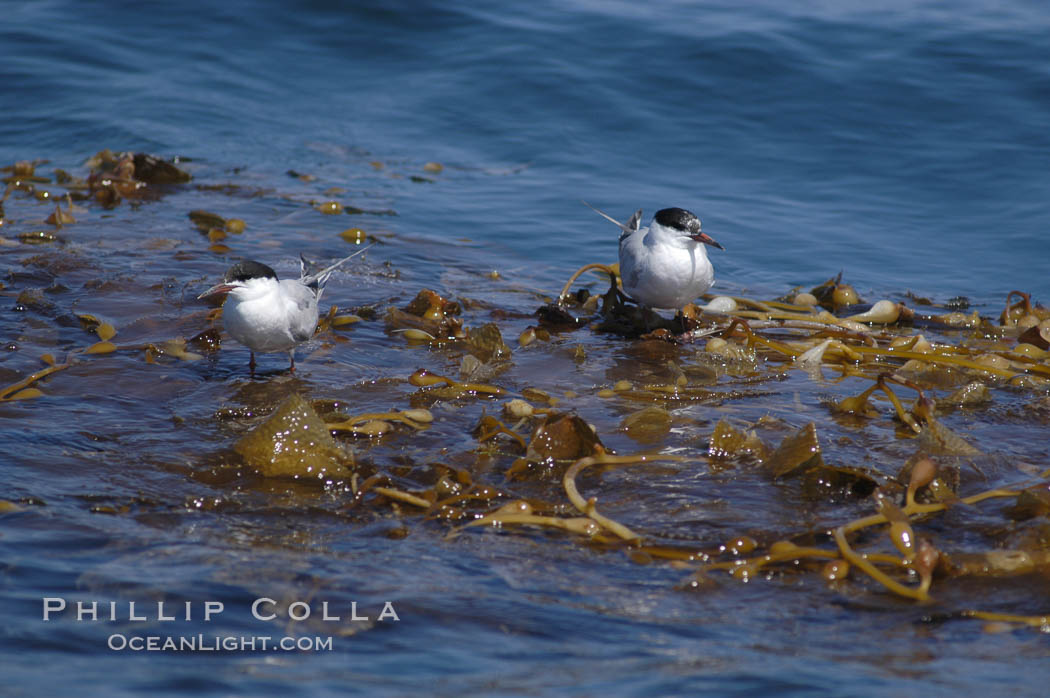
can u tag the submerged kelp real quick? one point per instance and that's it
(294, 442)
(864, 449)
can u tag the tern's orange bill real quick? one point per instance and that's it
(707, 240)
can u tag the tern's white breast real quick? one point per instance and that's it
(265, 317)
(662, 270)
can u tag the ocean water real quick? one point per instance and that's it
(905, 145)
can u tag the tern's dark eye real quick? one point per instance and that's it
(679, 219)
(243, 271)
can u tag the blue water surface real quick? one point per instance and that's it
(904, 144)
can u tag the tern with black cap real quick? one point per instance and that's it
(266, 314)
(664, 265)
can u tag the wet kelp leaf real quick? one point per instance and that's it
(1032, 535)
(999, 563)
(33, 299)
(798, 450)
(22, 168)
(105, 331)
(90, 323)
(726, 440)
(562, 436)
(294, 442)
(559, 437)
(556, 318)
(729, 442)
(60, 217)
(937, 439)
(729, 358)
(531, 334)
(26, 394)
(175, 348)
(101, 348)
(36, 237)
(486, 343)
(429, 303)
(1031, 502)
(205, 221)
(971, 394)
(210, 340)
(1037, 335)
(153, 170)
(428, 312)
(7, 507)
(825, 482)
(647, 426)
(472, 370)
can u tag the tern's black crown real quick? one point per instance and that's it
(679, 219)
(243, 271)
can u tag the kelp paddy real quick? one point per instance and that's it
(894, 447)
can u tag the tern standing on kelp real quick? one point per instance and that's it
(268, 315)
(664, 265)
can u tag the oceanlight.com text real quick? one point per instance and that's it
(119, 642)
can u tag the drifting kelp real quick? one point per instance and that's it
(429, 317)
(294, 442)
(25, 389)
(115, 177)
(813, 340)
(862, 448)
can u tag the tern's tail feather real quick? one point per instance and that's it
(629, 227)
(318, 280)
